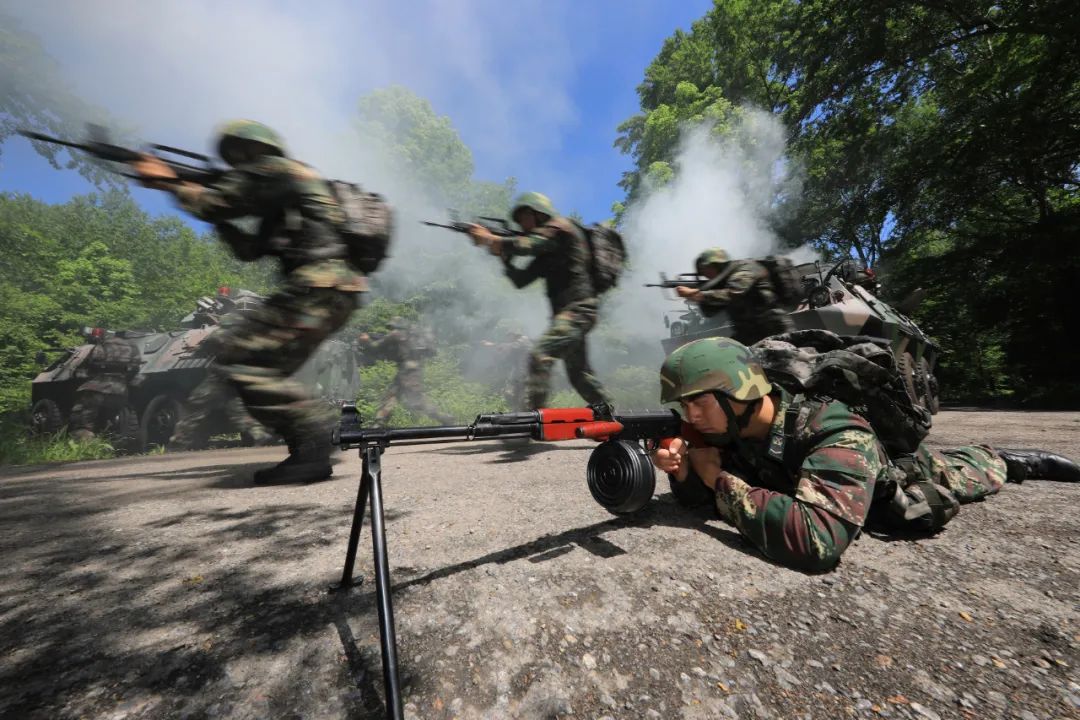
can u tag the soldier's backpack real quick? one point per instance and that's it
(368, 227)
(862, 373)
(857, 370)
(608, 252)
(786, 280)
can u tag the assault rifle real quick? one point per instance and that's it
(619, 474)
(99, 146)
(690, 280)
(494, 225)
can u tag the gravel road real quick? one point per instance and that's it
(169, 587)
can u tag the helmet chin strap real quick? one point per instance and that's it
(735, 423)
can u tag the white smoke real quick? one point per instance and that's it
(723, 193)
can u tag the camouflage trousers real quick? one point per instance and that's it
(207, 400)
(955, 477)
(91, 409)
(970, 473)
(258, 352)
(408, 391)
(565, 340)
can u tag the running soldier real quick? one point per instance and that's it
(300, 222)
(408, 347)
(560, 255)
(109, 368)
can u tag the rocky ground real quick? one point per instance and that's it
(168, 587)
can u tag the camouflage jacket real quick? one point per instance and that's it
(298, 220)
(802, 504)
(561, 257)
(110, 366)
(406, 349)
(746, 292)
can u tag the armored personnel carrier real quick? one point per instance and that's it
(172, 367)
(842, 300)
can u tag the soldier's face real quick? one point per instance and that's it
(526, 218)
(704, 413)
(710, 271)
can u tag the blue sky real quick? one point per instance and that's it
(536, 89)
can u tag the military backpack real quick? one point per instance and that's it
(862, 373)
(368, 227)
(785, 279)
(608, 255)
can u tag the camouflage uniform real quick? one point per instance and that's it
(193, 429)
(259, 351)
(407, 388)
(515, 354)
(802, 493)
(560, 255)
(110, 367)
(743, 288)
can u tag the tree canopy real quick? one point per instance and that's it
(939, 139)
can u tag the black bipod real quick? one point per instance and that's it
(371, 487)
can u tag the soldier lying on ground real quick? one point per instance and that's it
(802, 506)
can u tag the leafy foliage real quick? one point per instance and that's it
(97, 261)
(938, 139)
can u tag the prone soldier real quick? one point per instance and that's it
(801, 485)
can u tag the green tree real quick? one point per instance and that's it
(34, 95)
(941, 139)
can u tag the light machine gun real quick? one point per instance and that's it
(619, 474)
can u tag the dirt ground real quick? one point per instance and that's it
(169, 587)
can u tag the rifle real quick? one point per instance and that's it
(690, 280)
(496, 226)
(98, 145)
(619, 474)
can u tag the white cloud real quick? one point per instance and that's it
(502, 71)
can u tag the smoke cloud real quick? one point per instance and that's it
(723, 193)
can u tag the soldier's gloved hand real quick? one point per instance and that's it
(707, 464)
(672, 459)
(688, 293)
(154, 173)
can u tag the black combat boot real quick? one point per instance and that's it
(308, 462)
(1038, 464)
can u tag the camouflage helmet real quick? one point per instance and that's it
(712, 256)
(248, 131)
(535, 201)
(716, 364)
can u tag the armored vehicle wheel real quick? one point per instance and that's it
(906, 365)
(929, 387)
(45, 418)
(159, 420)
(124, 432)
